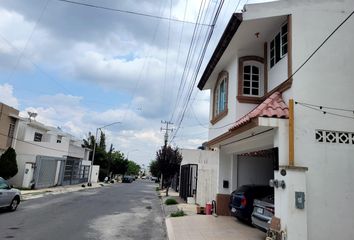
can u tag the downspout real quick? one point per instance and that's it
(291, 132)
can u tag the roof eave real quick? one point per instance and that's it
(224, 42)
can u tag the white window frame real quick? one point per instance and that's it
(281, 45)
(260, 67)
(219, 96)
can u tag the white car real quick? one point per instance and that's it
(9, 197)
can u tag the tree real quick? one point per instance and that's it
(169, 161)
(154, 169)
(133, 168)
(119, 163)
(101, 156)
(8, 164)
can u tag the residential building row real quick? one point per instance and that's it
(46, 156)
(280, 110)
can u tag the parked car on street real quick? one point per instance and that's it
(9, 197)
(241, 200)
(127, 179)
(263, 211)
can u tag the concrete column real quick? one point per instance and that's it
(288, 207)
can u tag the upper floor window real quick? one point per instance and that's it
(11, 130)
(251, 83)
(278, 47)
(251, 80)
(220, 96)
(38, 137)
(59, 139)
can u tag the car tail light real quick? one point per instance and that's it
(270, 210)
(243, 201)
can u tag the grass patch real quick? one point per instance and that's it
(179, 213)
(171, 201)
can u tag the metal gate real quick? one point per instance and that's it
(74, 171)
(188, 184)
(47, 171)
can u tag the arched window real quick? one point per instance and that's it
(251, 80)
(220, 96)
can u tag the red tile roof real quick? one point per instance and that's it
(273, 107)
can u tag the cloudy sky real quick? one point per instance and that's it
(81, 68)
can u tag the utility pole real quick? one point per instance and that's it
(166, 129)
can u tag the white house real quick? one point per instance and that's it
(256, 73)
(47, 156)
(199, 179)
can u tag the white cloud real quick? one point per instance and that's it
(7, 97)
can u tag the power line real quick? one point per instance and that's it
(325, 107)
(305, 62)
(198, 66)
(324, 112)
(28, 40)
(181, 84)
(129, 12)
(324, 41)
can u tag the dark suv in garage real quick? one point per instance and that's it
(241, 200)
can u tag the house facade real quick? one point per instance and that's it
(47, 156)
(8, 119)
(277, 115)
(199, 171)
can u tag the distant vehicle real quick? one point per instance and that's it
(241, 200)
(127, 179)
(143, 177)
(153, 179)
(9, 197)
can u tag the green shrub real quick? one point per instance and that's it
(157, 189)
(179, 213)
(171, 201)
(8, 164)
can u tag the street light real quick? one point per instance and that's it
(94, 146)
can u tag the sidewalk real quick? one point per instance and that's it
(37, 193)
(204, 227)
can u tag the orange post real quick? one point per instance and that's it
(291, 132)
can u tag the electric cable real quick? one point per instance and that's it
(126, 11)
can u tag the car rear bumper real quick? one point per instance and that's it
(260, 222)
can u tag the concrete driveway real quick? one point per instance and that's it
(207, 227)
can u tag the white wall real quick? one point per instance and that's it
(207, 172)
(254, 170)
(278, 73)
(21, 159)
(94, 173)
(225, 172)
(326, 80)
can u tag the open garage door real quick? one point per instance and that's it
(255, 167)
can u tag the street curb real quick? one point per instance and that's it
(33, 195)
(169, 228)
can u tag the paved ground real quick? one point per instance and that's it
(207, 227)
(118, 211)
(204, 227)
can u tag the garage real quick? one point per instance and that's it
(254, 167)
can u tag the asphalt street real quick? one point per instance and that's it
(118, 211)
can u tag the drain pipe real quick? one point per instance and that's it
(213, 204)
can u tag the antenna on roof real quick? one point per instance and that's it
(32, 115)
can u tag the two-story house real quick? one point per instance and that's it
(47, 156)
(8, 119)
(265, 61)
